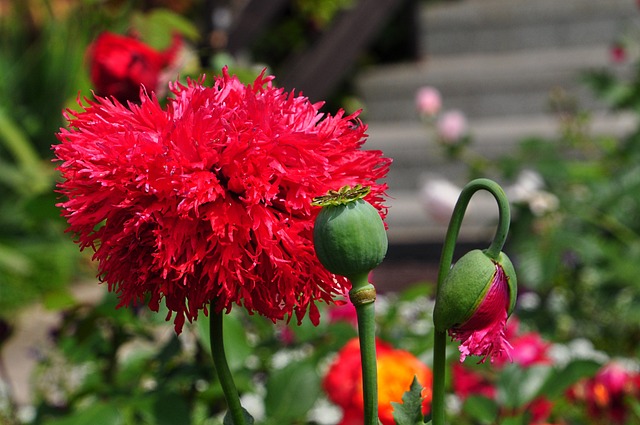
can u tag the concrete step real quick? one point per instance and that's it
(506, 25)
(485, 85)
(417, 159)
(410, 222)
(415, 151)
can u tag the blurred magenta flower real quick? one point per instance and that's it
(428, 101)
(343, 312)
(121, 65)
(528, 349)
(396, 370)
(452, 126)
(209, 199)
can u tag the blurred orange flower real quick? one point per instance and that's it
(396, 370)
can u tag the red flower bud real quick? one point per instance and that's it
(474, 302)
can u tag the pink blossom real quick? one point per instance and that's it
(452, 126)
(428, 101)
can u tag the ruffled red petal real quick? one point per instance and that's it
(484, 333)
(209, 199)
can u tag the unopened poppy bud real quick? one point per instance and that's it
(349, 234)
(474, 301)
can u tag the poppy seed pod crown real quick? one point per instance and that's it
(467, 285)
(349, 235)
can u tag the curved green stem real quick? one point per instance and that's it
(446, 259)
(222, 368)
(362, 296)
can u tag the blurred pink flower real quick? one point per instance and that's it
(428, 101)
(529, 348)
(452, 126)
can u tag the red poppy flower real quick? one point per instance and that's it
(120, 65)
(396, 370)
(210, 198)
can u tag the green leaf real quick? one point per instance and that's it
(170, 409)
(237, 347)
(513, 420)
(95, 414)
(481, 408)
(157, 27)
(518, 386)
(297, 381)
(248, 419)
(559, 381)
(409, 412)
(59, 299)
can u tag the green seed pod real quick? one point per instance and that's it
(349, 235)
(466, 286)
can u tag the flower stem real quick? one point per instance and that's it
(222, 368)
(363, 296)
(446, 259)
(439, 364)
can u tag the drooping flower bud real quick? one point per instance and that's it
(474, 302)
(349, 234)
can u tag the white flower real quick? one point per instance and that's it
(439, 197)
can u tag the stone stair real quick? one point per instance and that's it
(498, 61)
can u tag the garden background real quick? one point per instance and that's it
(542, 96)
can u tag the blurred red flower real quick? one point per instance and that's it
(607, 392)
(210, 198)
(120, 65)
(396, 370)
(467, 382)
(618, 52)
